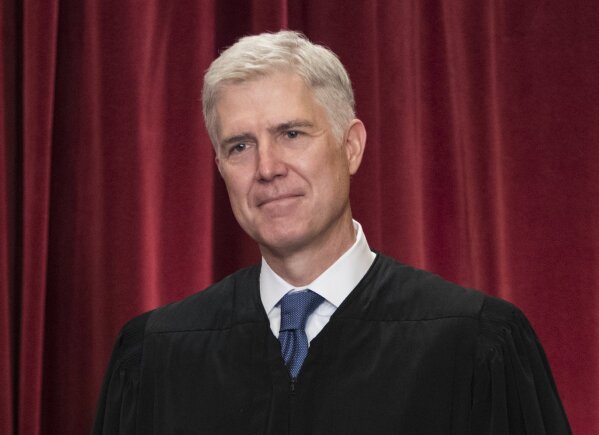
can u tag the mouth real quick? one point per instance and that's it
(277, 199)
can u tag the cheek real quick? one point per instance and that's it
(236, 191)
(334, 171)
(332, 185)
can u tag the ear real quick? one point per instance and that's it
(355, 142)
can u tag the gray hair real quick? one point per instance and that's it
(257, 56)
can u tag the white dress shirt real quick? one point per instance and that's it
(334, 285)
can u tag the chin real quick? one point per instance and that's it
(283, 240)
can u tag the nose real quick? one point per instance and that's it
(270, 162)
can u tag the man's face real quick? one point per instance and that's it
(287, 176)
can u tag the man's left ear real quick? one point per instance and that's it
(355, 142)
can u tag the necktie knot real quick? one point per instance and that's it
(295, 309)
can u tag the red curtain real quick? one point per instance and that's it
(482, 165)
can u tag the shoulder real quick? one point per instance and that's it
(512, 381)
(424, 294)
(212, 308)
(419, 294)
(128, 345)
(504, 330)
(414, 294)
(209, 308)
(402, 292)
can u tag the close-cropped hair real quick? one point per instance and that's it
(257, 56)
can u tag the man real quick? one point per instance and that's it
(325, 336)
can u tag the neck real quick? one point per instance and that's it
(303, 266)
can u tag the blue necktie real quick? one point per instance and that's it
(295, 309)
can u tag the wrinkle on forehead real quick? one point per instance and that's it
(304, 108)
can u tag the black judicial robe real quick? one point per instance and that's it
(406, 352)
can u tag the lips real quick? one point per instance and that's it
(279, 197)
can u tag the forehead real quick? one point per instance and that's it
(269, 100)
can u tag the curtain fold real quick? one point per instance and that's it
(481, 165)
(8, 205)
(40, 27)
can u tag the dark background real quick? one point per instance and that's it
(482, 165)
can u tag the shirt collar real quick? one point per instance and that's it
(334, 284)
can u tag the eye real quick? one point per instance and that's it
(237, 148)
(292, 134)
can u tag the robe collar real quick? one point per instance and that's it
(334, 284)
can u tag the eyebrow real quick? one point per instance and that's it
(290, 125)
(238, 138)
(279, 128)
